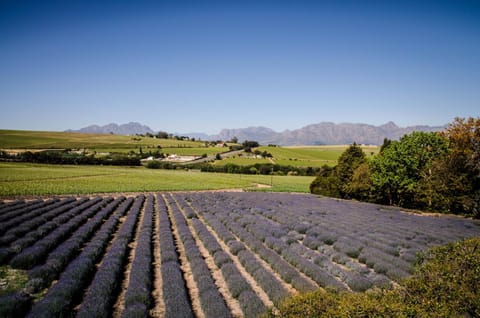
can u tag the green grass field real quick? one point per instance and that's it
(19, 179)
(194, 151)
(20, 139)
(311, 156)
(298, 156)
(241, 161)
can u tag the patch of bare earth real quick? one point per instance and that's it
(185, 266)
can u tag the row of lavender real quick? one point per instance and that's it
(330, 243)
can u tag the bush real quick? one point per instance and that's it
(445, 284)
(154, 164)
(447, 280)
(235, 247)
(15, 305)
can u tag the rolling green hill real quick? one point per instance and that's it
(296, 156)
(36, 140)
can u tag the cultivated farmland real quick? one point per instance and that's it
(205, 254)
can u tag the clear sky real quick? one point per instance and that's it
(200, 66)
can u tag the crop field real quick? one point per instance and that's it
(204, 254)
(311, 156)
(241, 161)
(20, 179)
(30, 140)
(297, 156)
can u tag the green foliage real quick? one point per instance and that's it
(459, 174)
(429, 171)
(401, 165)
(444, 285)
(360, 185)
(349, 179)
(11, 280)
(447, 281)
(153, 164)
(326, 183)
(35, 179)
(65, 157)
(348, 162)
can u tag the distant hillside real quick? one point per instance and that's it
(131, 128)
(324, 133)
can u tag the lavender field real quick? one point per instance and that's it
(205, 254)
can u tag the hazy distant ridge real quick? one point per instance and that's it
(324, 133)
(131, 128)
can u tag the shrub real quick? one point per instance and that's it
(358, 282)
(15, 305)
(154, 164)
(447, 279)
(302, 228)
(175, 295)
(444, 285)
(236, 283)
(236, 247)
(311, 242)
(252, 306)
(138, 294)
(220, 258)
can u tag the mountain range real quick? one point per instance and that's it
(324, 133)
(131, 128)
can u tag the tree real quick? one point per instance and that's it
(162, 135)
(348, 162)
(326, 183)
(459, 173)
(386, 142)
(250, 144)
(396, 171)
(361, 184)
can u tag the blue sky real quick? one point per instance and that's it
(198, 66)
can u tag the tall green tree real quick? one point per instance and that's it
(458, 175)
(326, 182)
(360, 185)
(348, 162)
(397, 171)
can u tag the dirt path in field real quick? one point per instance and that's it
(157, 294)
(118, 307)
(185, 266)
